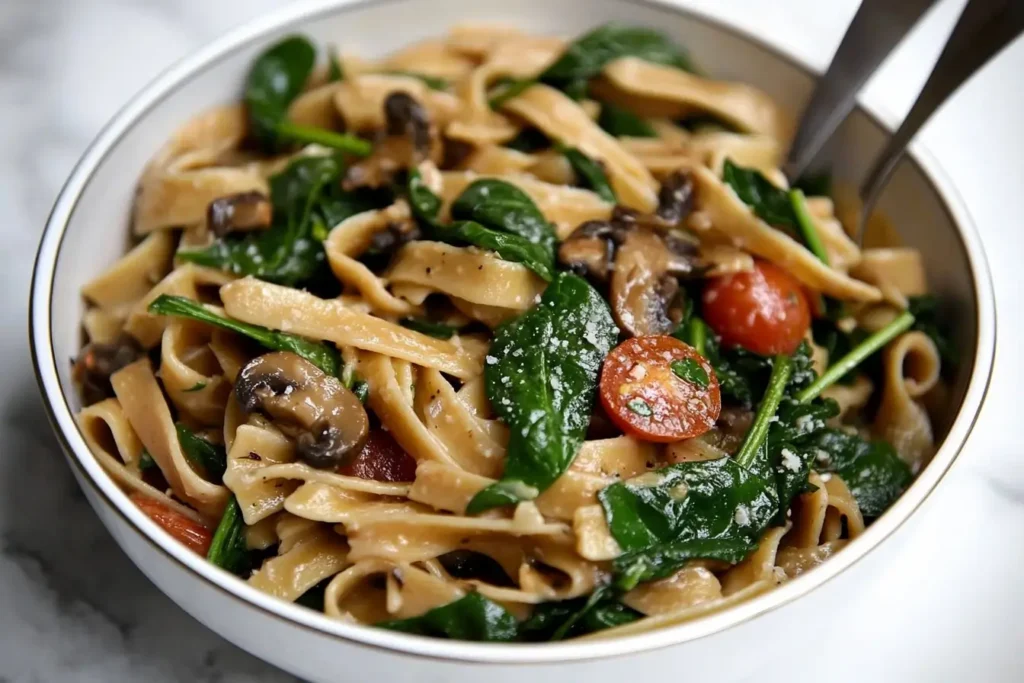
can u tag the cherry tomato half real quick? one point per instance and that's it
(381, 459)
(191, 533)
(657, 388)
(763, 310)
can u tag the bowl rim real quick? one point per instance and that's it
(89, 470)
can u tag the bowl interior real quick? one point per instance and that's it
(98, 200)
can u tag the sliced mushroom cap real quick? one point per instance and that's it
(409, 139)
(590, 249)
(95, 364)
(645, 294)
(326, 420)
(242, 211)
(676, 198)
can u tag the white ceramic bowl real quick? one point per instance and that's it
(88, 230)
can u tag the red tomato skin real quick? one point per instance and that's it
(188, 532)
(640, 368)
(381, 459)
(764, 310)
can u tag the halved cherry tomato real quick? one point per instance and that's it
(657, 388)
(381, 459)
(763, 310)
(191, 533)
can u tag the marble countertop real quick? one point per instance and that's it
(940, 601)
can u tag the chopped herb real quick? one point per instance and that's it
(691, 371)
(640, 407)
(198, 386)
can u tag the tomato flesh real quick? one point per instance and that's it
(763, 310)
(644, 394)
(381, 459)
(189, 532)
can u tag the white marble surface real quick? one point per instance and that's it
(939, 602)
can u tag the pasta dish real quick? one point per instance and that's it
(505, 337)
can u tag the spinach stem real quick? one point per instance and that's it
(698, 335)
(857, 355)
(782, 368)
(343, 141)
(807, 228)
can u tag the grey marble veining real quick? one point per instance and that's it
(940, 601)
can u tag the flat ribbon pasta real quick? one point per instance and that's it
(911, 369)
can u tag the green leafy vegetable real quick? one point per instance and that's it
(471, 617)
(588, 54)
(857, 355)
(925, 310)
(552, 621)
(805, 223)
(515, 230)
(314, 597)
(770, 203)
(304, 196)
(541, 377)
(529, 140)
(198, 386)
(146, 461)
(438, 330)
(690, 370)
(704, 122)
(335, 73)
(624, 123)
(276, 78)
(590, 173)
(640, 407)
(815, 185)
(210, 457)
(506, 89)
(321, 355)
(228, 549)
(873, 471)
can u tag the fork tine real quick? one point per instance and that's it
(876, 29)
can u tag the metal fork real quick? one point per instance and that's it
(984, 28)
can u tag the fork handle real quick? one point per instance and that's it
(876, 29)
(984, 28)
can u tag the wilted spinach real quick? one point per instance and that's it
(563, 619)
(276, 78)
(228, 549)
(623, 123)
(471, 617)
(307, 203)
(319, 354)
(515, 229)
(925, 310)
(590, 173)
(437, 330)
(872, 470)
(541, 377)
(210, 457)
(770, 203)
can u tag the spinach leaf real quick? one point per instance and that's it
(925, 310)
(228, 549)
(815, 184)
(769, 203)
(471, 617)
(508, 247)
(319, 354)
(314, 597)
(839, 343)
(210, 457)
(276, 78)
(198, 386)
(437, 330)
(691, 371)
(146, 461)
(502, 206)
(529, 140)
(713, 509)
(705, 122)
(541, 377)
(590, 173)
(579, 616)
(588, 54)
(624, 123)
(874, 473)
(305, 196)
(334, 71)
(514, 222)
